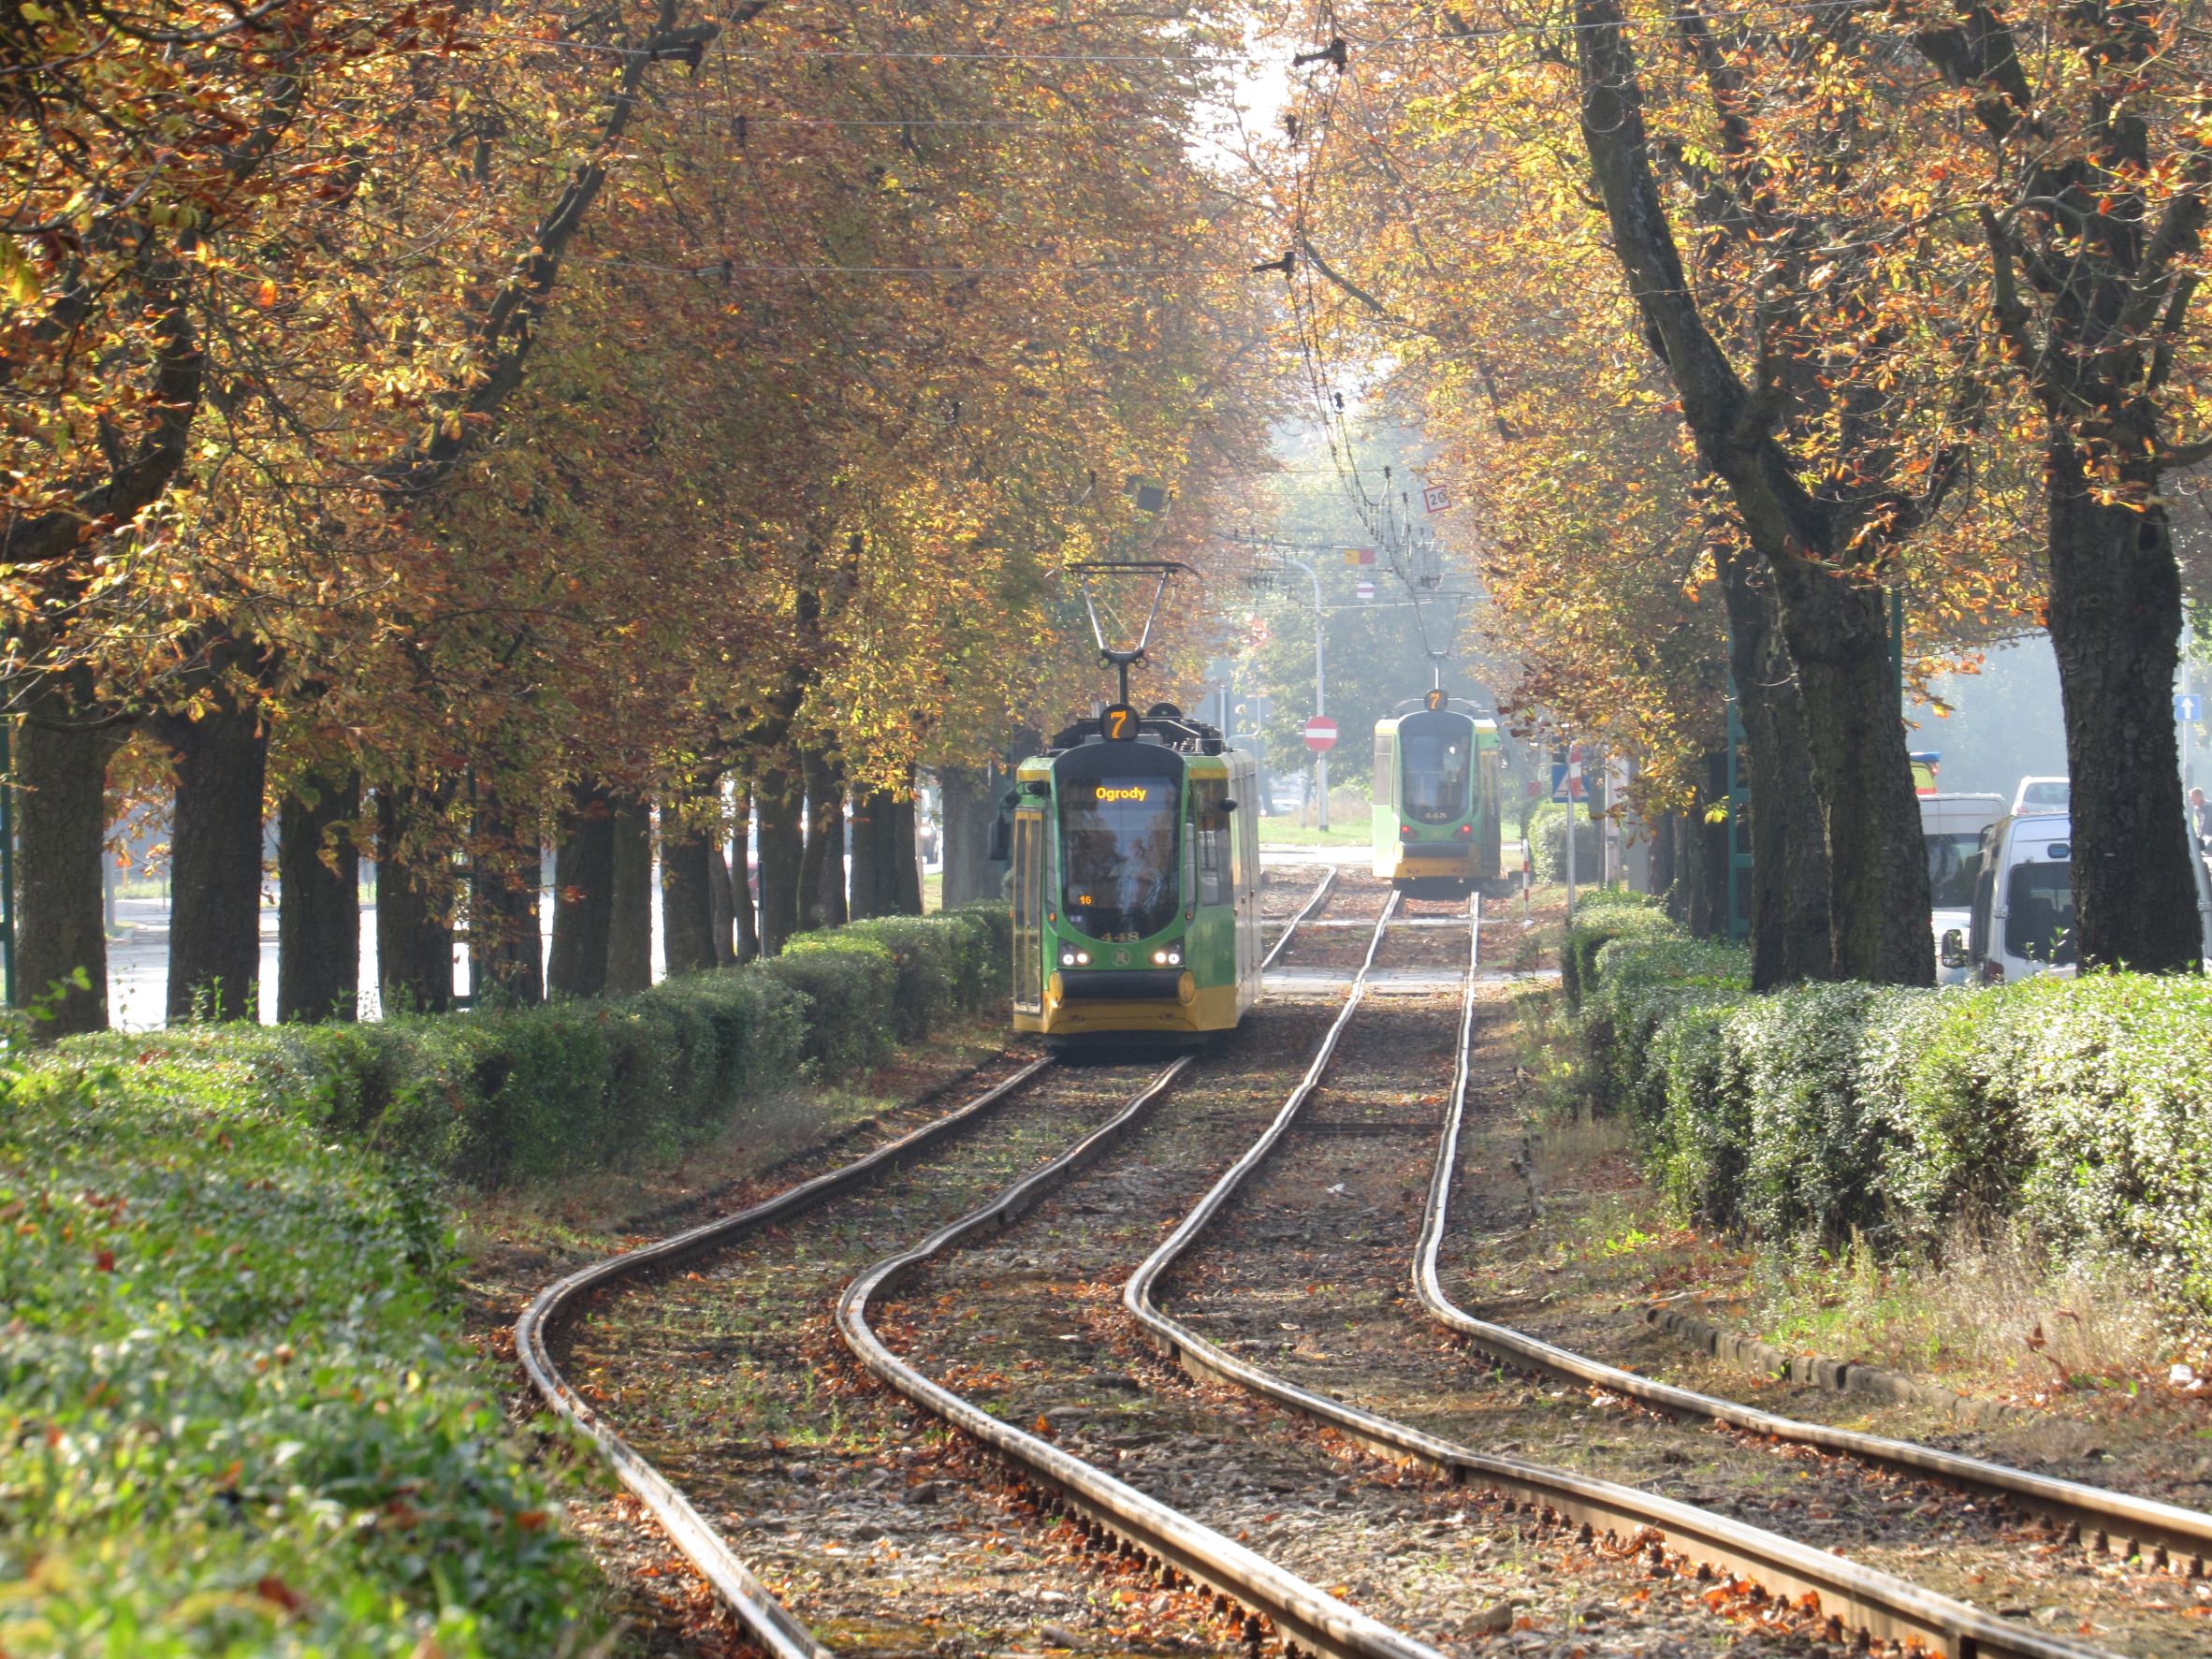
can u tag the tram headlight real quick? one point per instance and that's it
(1467, 831)
(1071, 957)
(1170, 957)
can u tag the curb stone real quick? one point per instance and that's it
(1811, 1371)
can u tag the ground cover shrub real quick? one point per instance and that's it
(498, 1096)
(235, 1413)
(2076, 1111)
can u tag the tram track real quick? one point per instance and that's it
(1233, 1573)
(1420, 1518)
(1692, 1538)
(763, 1618)
(1689, 1537)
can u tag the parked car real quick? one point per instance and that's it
(1951, 827)
(2022, 922)
(2042, 794)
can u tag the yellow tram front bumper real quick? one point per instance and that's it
(1191, 1010)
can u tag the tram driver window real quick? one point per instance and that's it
(1120, 849)
(1435, 789)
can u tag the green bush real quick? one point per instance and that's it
(1601, 916)
(1546, 844)
(2080, 1108)
(503, 1096)
(235, 1413)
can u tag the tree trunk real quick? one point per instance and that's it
(2115, 622)
(318, 898)
(61, 773)
(630, 916)
(688, 862)
(721, 906)
(779, 801)
(1663, 864)
(967, 809)
(414, 906)
(721, 902)
(1789, 878)
(822, 866)
(506, 955)
(583, 894)
(1878, 895)
(215, 866)
(874, 834)
(741, 905)
(906, 854)
(1704, 854)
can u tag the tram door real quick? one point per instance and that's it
(1028, 909)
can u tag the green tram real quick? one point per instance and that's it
(1135, 882)
(1437, 818)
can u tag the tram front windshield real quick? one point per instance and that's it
(1119, 854)
(1435, 784)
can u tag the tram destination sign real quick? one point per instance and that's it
(1321, 734)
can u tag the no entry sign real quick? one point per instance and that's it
(1320, 733)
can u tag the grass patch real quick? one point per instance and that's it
(1988, 1305)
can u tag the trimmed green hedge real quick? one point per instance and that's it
(1603, 914)
(236, 1416)
(502, 1097)
(2082, 1108)
(235, 1413)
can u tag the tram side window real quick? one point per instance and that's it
(1385, 772)
(1209, 833)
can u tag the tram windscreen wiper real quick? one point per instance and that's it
(1119, 852)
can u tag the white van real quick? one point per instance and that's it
(2023, 904)
(1951, 828)
(2042, 794)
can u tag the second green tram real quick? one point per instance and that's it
(1437, 816)
(1135, 876)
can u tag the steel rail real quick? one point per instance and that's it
(1322, 889)
(1303, 1615)
(766, 1621)
(2161, 1533)
(1884, 1606)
